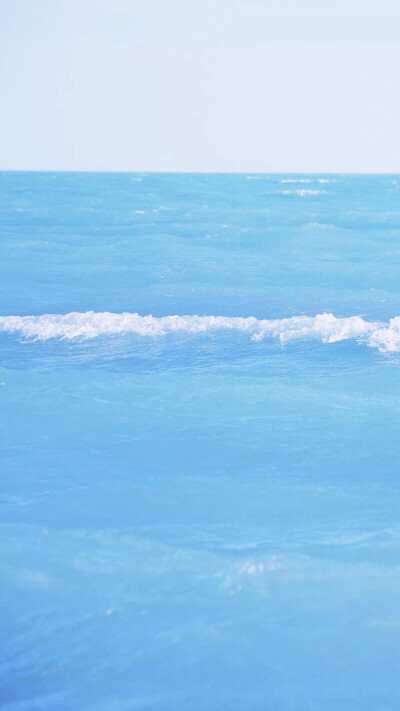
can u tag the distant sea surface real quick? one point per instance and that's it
(199, 441)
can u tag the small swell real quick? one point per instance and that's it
(296, 180)
(302, 192)
(307, 180)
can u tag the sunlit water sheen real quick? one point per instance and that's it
(199, 442)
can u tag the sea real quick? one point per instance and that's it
(199, 442)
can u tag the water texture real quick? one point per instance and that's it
(199, 442)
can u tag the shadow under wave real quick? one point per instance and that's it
(223, 352)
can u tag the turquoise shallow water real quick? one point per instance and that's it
(199, 514)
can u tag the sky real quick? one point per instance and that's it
(200, 85)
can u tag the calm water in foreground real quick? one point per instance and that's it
(199, 514)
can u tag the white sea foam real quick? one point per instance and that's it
(387, 337)
(296, 180)
(302, 192)
(323, 327)
(306, 180)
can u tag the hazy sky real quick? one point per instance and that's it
(194, 85)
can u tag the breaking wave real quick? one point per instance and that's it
(297, 180)
(303, 192)
(323, 327)
(307, 180)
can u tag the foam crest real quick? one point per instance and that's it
(302, 192)
(325, 328)
(387, 338)
(307, 180)
(296, 180)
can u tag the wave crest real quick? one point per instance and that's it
(322, 327)
(302, 192)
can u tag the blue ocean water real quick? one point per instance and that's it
(199, 514)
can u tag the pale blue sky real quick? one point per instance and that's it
(200, 85)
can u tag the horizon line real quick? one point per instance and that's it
(197, 172)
